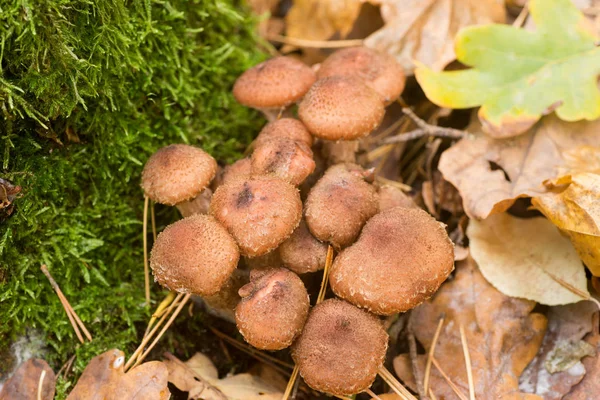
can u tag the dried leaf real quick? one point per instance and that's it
(105, 379)
(566, 324)
(576, 211)
(528, 160)
(320, 19)
(503, 336)
(424, 30)
(527, 258)
(24, 383)
(589, 387)
(518, 75)
(199, 377)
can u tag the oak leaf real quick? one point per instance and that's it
(424, 30)
(527, 258)
(503, 336)
(576, 211)
(518, 76)
(25, 382)
(491, 174)
(321, 19)
(105, 379)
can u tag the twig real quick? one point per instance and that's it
(290, 385)
(160, 310)
(73, 317)
(40, 384)
(395, 385)
(145, 241)
(412, 347)
(319, 44)
(153, 220)
(424, 129)
(373, 395)
(518, 22)
(465, 346)
(436, 335)
(66, 366)
(448, 380)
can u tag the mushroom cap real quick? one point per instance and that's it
(260, 212)
(400, 259)
(194, 255)
(288, 128)
(177, 173)
(302, 252)
(340, 203)
(380, 71)
(267, 261)
(242, 168)
(273, 309)
(287, 159)
(341, 108)
(274, 83)
(341, 348)
(391, 197)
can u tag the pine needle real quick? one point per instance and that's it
(318, 44)
(396, 386)
(465, 346)
(431, 352)
(448, 380)
(145, 240)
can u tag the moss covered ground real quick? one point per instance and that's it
(88, 90)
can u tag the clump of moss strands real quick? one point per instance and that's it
(88, 91)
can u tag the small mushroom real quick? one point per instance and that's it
(400, 259)
(260, 212)
(391, 197)
(302, 252)
(178, 175)
(287, 159)
(341, 108)
(341, 348)
(340, 203)
(267, 261)
(379, 71)
(274, 84)
(273, 309)
(242, 168)
(223, 303)
(288, 128)
(194, 255)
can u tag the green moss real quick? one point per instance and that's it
(88, 90)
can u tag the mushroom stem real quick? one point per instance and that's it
(197, 205)
(395, 385)
(145, 241)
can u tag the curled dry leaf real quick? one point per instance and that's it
(589, 387)
(491, 174)
(320, 19)
(502, 333)
(527, 258)
(576, 211)
(424, 30)
(25, 382)
(199, 377)
(105, 379)
(567, 325)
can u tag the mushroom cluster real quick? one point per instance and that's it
(257, 227)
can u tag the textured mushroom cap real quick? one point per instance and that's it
(400, 259)
(273, 309)
(341, 108)
(260, 212)
(391, 197)
(341, 348)
(177, 173)
(302, 252)
(339, 204)
(275, 83)
(194, 255)
(242, 168)
(379, 71)
(287, 159)
(288, 128)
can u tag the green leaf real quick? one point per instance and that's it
(518, 76)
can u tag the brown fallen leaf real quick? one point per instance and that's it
(566, 324)
(24, 384)
(105, 379)
(503, 336)
(589, 387)
(527, 258)
(490, 174)
(576, 211)
(424, 30)
(199, 377)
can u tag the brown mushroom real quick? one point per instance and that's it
(340, 152)
(273, 309)
(341, 348)
(302, 252)
(287, 159)
(400, 259)
(223, 303)
(341, 108)
(260, 212)
(288, 128)
(194, 255)
(242, 168)
(274, 84)
(267, 261)
(379, 71)
(391, 197)
(340, 203)
(178, 175)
